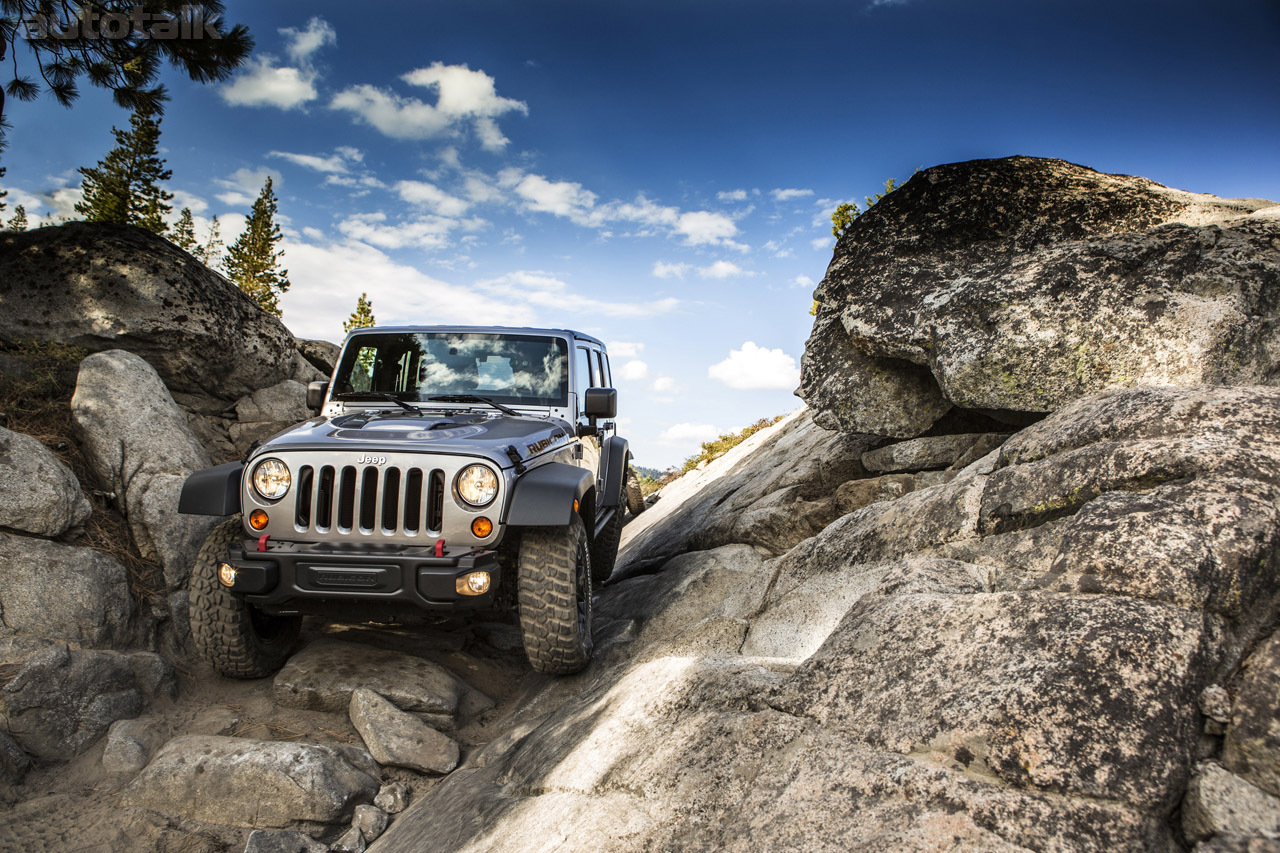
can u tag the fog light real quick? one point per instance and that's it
(481, 528)
(258, 519)
(226, 574)
(475, 583)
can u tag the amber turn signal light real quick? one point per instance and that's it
(481, 528)
(258, 519)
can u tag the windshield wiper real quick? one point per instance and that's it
(473, 398)
(378, 395)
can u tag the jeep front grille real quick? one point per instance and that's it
(390, 500)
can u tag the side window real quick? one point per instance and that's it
(582, 375)
(597, 379)
(606, 381)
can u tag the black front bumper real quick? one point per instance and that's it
(296, 572)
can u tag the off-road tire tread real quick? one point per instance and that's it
(635, 497)
(548, 602)
(604, 551)
(221, 626)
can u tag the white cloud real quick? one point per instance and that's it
(789, 194)
(754, 368)
(624, 349)
(541, 289)
(688, 433)
(263, 85)
(429, 232)
(431, 197)
(803, 281)
(822, 243)
(633, 371)
(302, 44)
(732, 195)
(244, 186)
(328, 278)
(562, 198)
(338, 163)
(665, 270)
(702, 227)
(463, 97)
(182, 198)
(663, 383)
(723, 269)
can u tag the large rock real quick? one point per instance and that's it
(1022, 284)
(1252, 746)
(1221, 803)
(64, 593)
(241, 782)
(136, 439)
(1008, 660)
(41, 495)
(14, 763)
(268, 411)
(322, 355)
(765, 476)
(323, 676)
(401, 739)
(106, 287)
(61, 701)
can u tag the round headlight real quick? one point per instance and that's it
(477, 485)
(271, 479)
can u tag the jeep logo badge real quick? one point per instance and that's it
(371, 460)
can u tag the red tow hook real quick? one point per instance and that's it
(262, 542)
(439, 547)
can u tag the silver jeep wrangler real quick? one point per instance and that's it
(449, 468)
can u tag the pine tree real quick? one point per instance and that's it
(3, 194)
(124, 188)
(210, 254)
(184, 233)
(19, 220)
(253, 262)
(362, 317)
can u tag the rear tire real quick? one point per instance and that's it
(635, 497)
(554, 589)
(604, 551)
(236, 638)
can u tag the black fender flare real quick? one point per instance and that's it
(213, 491)
(545, 496)
(616, 454)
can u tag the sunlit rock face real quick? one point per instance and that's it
(1010, 659)
(1020, 284)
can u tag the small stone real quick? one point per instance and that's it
(350, 842)
(129, 746)
(371, 821)
(261, 841)
(393, 798)
(1219, 802)
(401, 739)
(1215, 703)
(919, 454)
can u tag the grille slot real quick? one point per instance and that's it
(393, 501)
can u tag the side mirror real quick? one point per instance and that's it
(600, 403)
(316, 392)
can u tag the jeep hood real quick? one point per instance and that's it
(401, 432)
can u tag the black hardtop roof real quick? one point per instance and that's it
(482, 330)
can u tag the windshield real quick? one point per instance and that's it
(528, 370)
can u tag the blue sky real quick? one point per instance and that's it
(660, 174)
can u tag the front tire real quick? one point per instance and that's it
(554, 590)
(236, 638)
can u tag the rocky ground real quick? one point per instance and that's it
(1021, 602)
